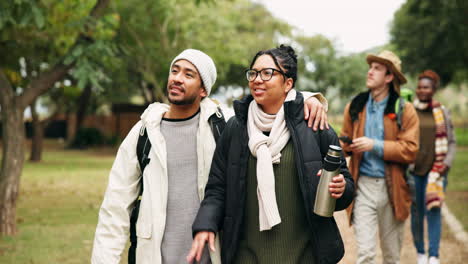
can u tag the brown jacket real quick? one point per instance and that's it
(400, 148)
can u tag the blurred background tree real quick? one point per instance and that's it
(325, 70)
(432, 34)
(151, 35)
(41, 42)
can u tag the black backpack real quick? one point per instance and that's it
(217, 124)
(396, 104)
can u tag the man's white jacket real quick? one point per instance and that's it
(112, 232)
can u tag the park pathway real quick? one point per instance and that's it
(451, 250)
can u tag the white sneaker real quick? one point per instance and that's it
(422, 259)
(434, 260)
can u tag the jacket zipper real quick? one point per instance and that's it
(242, 183)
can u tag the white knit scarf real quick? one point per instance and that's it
(267, 149)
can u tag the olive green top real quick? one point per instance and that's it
(427, 132)
(287, 242)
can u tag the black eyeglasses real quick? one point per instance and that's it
(265, 74)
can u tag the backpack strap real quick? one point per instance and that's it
(399, 107)
(217, 123)
(143, 148)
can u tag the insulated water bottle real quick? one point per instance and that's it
(324, 202)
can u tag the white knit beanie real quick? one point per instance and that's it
(204, 64)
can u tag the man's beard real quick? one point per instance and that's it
(184, 101)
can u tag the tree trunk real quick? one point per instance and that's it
(12, 108)
(38, 135)
(71, 127)
(83, 102)
(13, 156)
(12, 166)
(146, 92)
(159, 94)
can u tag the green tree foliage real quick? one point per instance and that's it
(45, 33)
(351, 74)
(432, 34)
(51, 38)
(323, 69)
(151, 35)
(317, 62)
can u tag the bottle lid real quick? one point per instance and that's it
(334, 151)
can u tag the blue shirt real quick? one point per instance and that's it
(372, 163)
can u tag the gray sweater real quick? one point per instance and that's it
(183, 201)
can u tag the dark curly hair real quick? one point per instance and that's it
(284, 57)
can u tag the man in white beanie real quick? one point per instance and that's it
(162, 167)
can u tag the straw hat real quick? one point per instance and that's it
(393, 63)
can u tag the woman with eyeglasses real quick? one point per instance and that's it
(263, 180)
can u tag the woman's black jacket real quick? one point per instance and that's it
(223, 206)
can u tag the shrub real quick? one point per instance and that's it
(87, 137)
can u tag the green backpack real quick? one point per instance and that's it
(405, 95)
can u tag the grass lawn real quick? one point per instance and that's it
(461, 135)
(57, 208)
(457, 189)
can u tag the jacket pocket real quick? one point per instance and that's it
(226, 230)
(227, 223)
(328, 238)
(144, 223)
(312, 167)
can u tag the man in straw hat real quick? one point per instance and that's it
(381, 142)
(182, 138)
